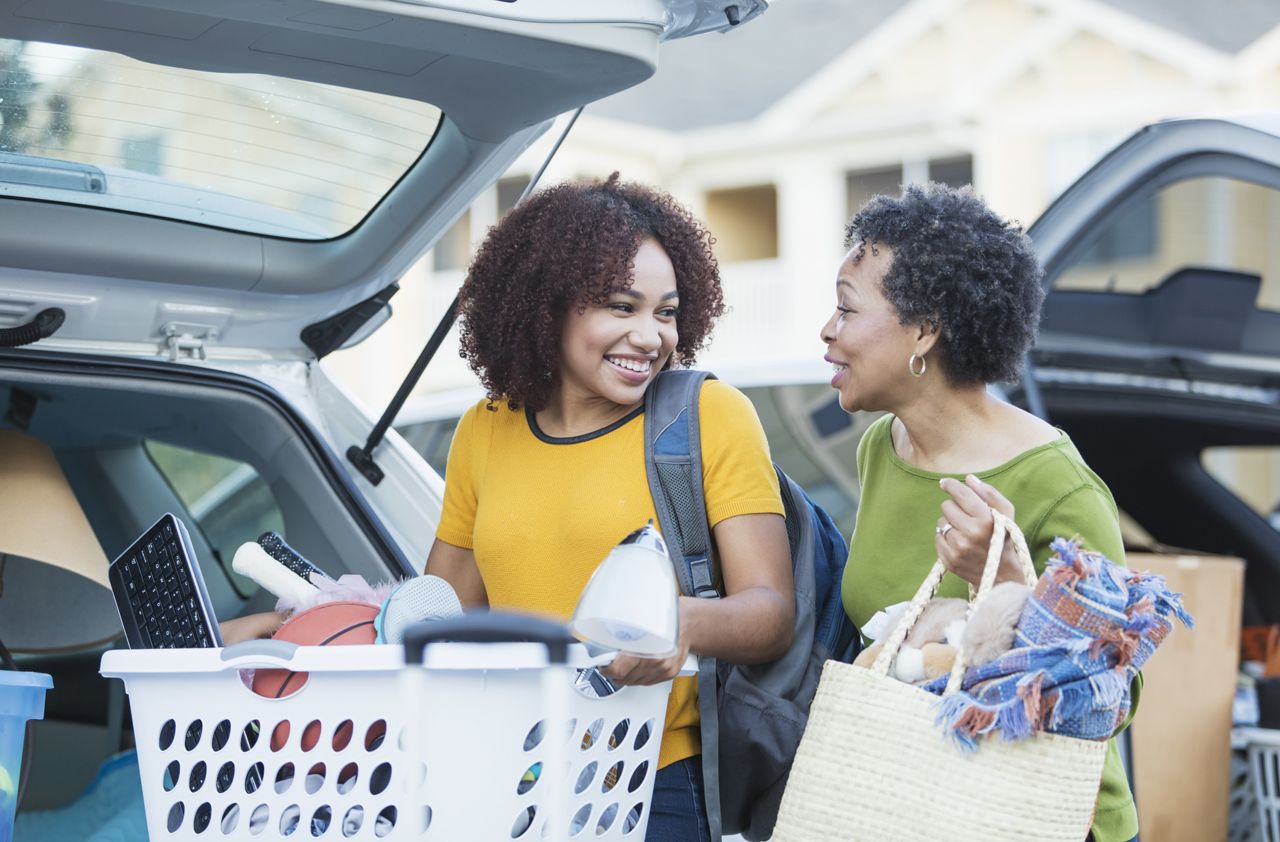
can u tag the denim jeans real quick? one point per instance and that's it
(677, 811)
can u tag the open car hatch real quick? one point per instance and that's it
(214, 179)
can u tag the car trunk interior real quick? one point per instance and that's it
(129, 444)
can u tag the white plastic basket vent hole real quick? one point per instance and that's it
(592, 734)
(197, 777)
(230, 819)
(386, 821)
(226, 777)
(315, 779)
(619, 734)
(284, 778)
(204, 815)
(249, 736)
(258, 819)
(606, 819)
(221, 734)
(254, 777)
(167, 733)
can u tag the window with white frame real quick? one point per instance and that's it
(744, 222)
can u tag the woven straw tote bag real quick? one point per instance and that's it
(874, 767)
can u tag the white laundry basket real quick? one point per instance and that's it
(341, 759)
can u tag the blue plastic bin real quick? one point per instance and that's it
(21, 698)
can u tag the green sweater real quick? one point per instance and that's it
(1054, 493)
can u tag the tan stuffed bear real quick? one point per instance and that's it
(930, 649)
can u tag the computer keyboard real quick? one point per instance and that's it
(160, 592)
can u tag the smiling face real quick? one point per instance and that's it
(613, 350)
(866, 344)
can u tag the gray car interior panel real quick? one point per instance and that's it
(1195, 307)
(96, 424)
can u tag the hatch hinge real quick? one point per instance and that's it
(187, 342)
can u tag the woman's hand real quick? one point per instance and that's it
(629, 669)
(251, 627)
(963, 534)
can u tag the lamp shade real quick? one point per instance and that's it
(54, 592)
(631, 603)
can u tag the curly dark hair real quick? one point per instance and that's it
(572, 245)
(960, 265)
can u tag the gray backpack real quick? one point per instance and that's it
(752, 716)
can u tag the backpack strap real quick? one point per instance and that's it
(673, 459)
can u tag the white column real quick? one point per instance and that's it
(811, 220)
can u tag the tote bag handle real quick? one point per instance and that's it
(929, 587)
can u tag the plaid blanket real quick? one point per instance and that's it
(1086, 630)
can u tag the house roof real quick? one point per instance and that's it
(716, 79)
(731, 78)
(1227, 25)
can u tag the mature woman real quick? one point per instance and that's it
(937, 298)
(573, 305)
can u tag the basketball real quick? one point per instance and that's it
(340, 623)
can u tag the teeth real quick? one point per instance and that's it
(838, 367)
(641, 366)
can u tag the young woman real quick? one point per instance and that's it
(573, 305)
(937, 298)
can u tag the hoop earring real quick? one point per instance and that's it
(911, 365)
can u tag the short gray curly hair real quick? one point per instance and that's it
(959, 264)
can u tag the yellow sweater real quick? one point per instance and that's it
(540, 513)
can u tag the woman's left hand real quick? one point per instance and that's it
(630, 669)
(963, 534)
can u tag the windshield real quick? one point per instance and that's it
(254, 153)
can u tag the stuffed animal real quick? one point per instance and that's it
(943, 630)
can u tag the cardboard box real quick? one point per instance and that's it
(1181, 740)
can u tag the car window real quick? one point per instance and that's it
(815, 442)
(227, 501)
(1211, 222)
(1250, 473)
(248, 152)
(431, 439)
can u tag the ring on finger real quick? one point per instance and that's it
(944, 529)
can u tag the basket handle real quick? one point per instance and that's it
(1000, 526)
(489, 627)
(276, 650)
